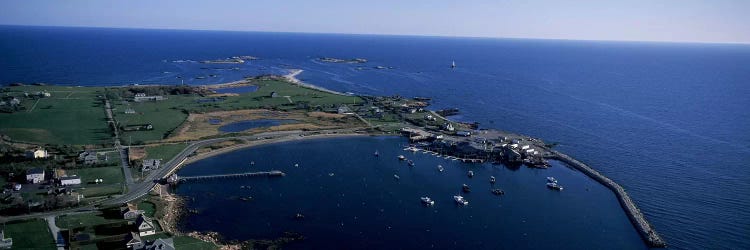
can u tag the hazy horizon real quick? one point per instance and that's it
(692, 21)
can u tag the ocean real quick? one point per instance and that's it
(667, 121)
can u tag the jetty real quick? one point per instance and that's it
(181, 179)
(631, 210)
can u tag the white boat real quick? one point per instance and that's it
(396, 176)
(554, 186)
(402, 157)
(460, 200)
(453, 64)
(471, 174)
(427, 201)
(492, 179)
(411, 163)
(551, 180)
(440, 168)
(376, 153)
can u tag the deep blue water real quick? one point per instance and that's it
(251, 124)
(667, 121)
(355, 202)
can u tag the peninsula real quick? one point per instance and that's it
(123, 145)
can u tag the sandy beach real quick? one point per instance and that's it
(292, 77)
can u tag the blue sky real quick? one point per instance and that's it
(725, 21)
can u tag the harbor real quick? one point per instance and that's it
(357, 189)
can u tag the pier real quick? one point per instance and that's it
(634, 214)
(179, 179)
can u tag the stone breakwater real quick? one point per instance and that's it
(636, 217)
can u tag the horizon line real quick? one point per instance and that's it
(382, 34)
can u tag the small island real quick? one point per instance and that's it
(120, 151)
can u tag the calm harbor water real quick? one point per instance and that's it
(350, 198)
(667, 121)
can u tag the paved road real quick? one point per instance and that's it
(59, 241)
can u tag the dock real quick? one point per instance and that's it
(181, 179)
(647, 232)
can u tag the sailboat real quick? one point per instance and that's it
(453, 64)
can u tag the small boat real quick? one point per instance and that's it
(402, 157)
(331, 174)
(498, 191)
(453, 64)
(427, 201)
(471, 174)
(492, 179)
(411, 163)
(376, 153)
(466, 188)
(551, 180)
(460, 200)
(555, 186)
(440, 168)
(296, 165)
(299, 216)
(252, 163)
(396, 176)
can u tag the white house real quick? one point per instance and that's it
(150, 164)
(35, 175)
(449, 127)
(37, 153)
(145, 226)
(130, 211)
(5, 243)
(70, 180)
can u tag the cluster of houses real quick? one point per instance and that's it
(14, 101)
(142, 226)
(142, 97)
(37, 175)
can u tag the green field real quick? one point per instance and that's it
(88, 219)
(165, 152)
(185, 242)
(72, 115)
(112, 176)
(30, 234)
(149, 208)
(163, 115)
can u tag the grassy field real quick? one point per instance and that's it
(165, 152)
(163, 115)
(71, 115)
(149, 208)
(112, 176)
(188, 243)
(89, 219)
(29, 234)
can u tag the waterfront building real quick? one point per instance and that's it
(145, 226)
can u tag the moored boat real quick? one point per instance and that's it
(402, 157)
(427, 201)
(492, 179)
(411, 163)
(471, 173)
(460, 200)
(551, 180)
(555, 186)
(440, 168)
(466, 188)
(498, 191)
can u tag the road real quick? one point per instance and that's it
(118, 145)
(59, 241)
